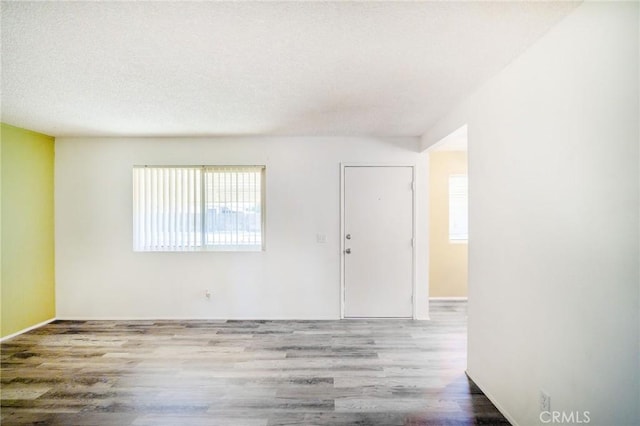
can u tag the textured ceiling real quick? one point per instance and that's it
(245, 68)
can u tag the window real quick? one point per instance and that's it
(458, 208)
(198, 208)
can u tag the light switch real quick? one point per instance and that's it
(321, 238)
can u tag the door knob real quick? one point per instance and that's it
(348, 237)
(348, 251)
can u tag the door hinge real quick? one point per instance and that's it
(413, 242)
(413, 185)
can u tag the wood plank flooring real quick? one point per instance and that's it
(255, 373)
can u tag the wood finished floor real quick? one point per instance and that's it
(262, 373)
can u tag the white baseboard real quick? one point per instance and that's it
(33, 327)
(504, 412)
(448, 299)
(80, 318)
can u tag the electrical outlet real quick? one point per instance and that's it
(545, 401)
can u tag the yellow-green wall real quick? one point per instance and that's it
(447, 261)
(27, 284)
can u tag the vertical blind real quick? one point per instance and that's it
(458, 208)
(198, 208)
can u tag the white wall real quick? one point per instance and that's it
(99, 276)
(554, 218)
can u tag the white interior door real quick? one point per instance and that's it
(378, 246)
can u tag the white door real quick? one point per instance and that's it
(378, 247)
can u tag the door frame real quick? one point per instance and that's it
(343, 166)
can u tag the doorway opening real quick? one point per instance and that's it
(448, 218)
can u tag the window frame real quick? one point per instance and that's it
(202, 245)
(457, 238)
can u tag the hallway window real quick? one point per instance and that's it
(458, 208)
